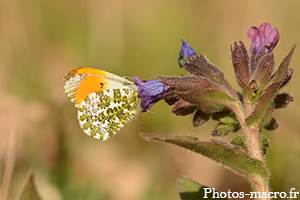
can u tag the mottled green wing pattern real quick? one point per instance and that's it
(102, 114)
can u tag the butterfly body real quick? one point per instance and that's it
(105, 102)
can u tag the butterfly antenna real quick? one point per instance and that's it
(140, 116)
(151, 112)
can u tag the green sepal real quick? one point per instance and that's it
(264, 143)
(239, 141)
(200, 91)
(226, 116)
(200, 118)
(200, 66)
(222, 129)
(214, 98)
(268, 95)
(228, 123)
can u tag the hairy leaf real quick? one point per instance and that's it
(191, 190)
(287, 78)
(233, 157)
(262, 105)
(283, 67)
(268, 116)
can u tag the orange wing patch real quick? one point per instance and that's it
(84, 70)
(82, 81)
(88, 85)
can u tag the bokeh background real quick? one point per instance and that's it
(40, 41)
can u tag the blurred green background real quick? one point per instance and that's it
(40, 41)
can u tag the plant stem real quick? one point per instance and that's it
(260, 186)
(252, 140)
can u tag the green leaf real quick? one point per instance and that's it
(30, 191)
(268, 116)
(262, 105)
(282, 69)
(191, 190)
(233, 157)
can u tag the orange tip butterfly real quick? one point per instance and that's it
(105, 102)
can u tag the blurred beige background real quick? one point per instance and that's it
(40, 41)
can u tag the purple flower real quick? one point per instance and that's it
(264, 35)
(150, 92)
(185, 51)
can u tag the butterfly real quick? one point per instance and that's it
(105, 102)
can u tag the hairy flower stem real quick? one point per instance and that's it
(251, 134)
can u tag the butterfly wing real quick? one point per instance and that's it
(105, 102)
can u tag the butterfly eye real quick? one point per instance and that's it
(101, 85)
